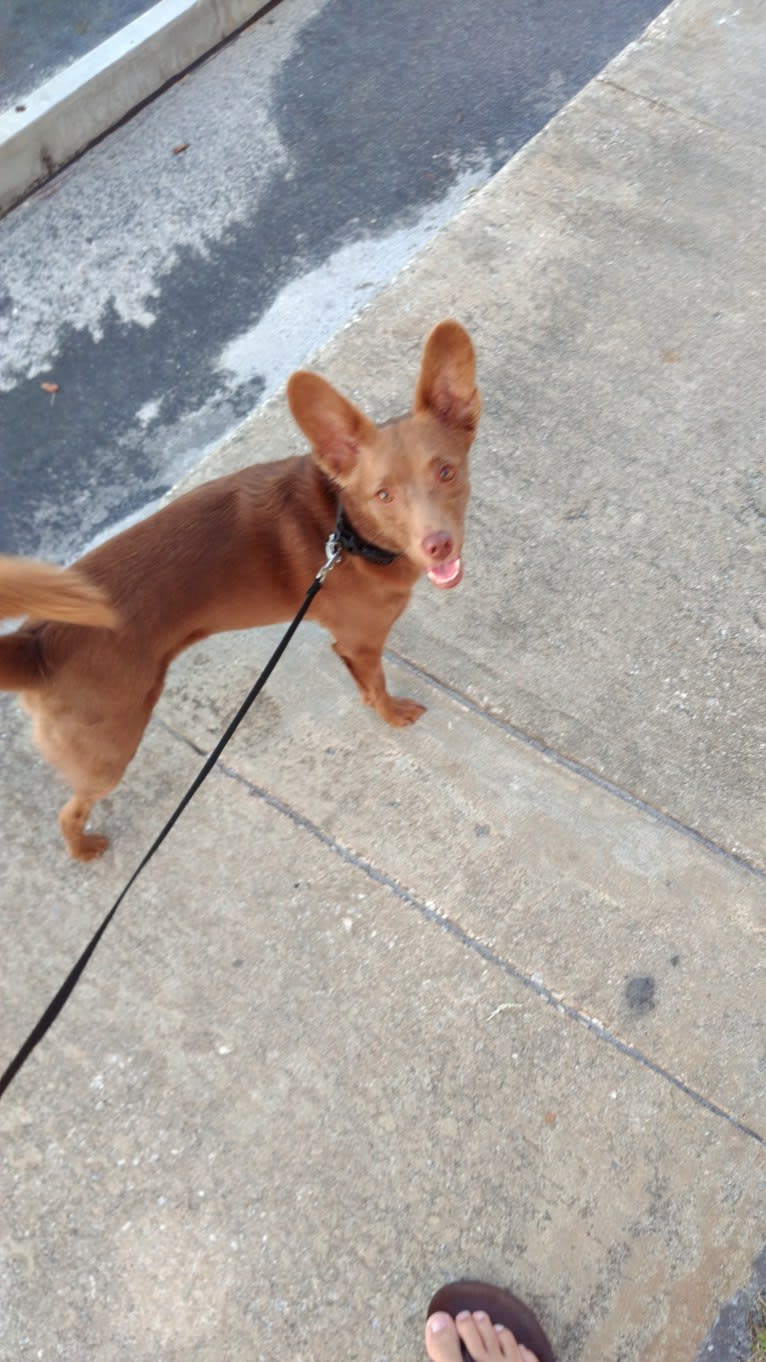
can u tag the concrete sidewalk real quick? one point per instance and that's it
(484, 997)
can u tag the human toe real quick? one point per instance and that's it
(479, 1336)
(510, 1350)
(442, 1341)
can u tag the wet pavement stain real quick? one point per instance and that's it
(639, 993)
(359, 158)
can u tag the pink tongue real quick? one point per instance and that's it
(445, 571)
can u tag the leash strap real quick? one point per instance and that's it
(55, 1005)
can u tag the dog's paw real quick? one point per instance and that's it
(88, 847)
(400, 712)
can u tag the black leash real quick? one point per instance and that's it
(333, 551)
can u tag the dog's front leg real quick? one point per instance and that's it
(366, 666)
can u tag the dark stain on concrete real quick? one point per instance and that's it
(639, 993)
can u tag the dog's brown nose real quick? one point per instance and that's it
(438, 546)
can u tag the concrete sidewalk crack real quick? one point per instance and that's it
(578, 768)
(432, 914)
(664, 107)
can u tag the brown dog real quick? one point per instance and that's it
(242, 551)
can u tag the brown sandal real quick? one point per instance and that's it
(502, 1308)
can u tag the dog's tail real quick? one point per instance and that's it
(45, 593)
(51, 593)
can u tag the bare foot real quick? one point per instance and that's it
(484, 1341)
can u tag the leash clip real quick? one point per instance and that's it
(334, 555)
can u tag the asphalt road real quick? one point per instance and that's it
(41, 37)
(167, 294)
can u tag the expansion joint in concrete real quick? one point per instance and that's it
(433, 915)
(663, 107)
(577, 768)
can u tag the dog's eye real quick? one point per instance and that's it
(383, 494)
(446, 473)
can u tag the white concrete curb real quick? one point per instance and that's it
(46, 128)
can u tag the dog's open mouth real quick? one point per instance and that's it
(447, 574)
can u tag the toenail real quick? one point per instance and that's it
(480, 1315)
(464, 1314)
(438, 1322)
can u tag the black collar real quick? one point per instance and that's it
(349, 541)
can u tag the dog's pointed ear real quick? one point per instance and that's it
(334, 426)
(447, 383)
